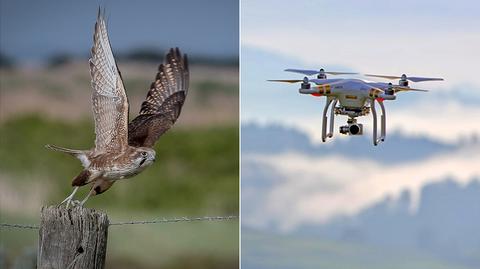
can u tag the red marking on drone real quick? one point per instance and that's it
(316, 94)
(380, 99)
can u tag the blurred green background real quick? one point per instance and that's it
(196, 172)
(45, 98)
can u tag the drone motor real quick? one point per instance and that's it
(403, 81)
(321, 74)
(389, 90)
(305, 84)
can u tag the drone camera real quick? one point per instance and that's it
(355, 129)
(352, 129)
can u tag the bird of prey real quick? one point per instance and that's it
(124, 149)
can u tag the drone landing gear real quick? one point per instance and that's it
(325, 119)
(382, 122)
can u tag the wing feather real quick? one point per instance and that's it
(164, 101)
(109, 100)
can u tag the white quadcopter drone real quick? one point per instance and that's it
(356, 97)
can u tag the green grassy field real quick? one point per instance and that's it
(266, 250)
(196, 174)
(183, 245)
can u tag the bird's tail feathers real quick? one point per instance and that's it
(65, 150)
(79, 154)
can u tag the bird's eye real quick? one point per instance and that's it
(144, 153)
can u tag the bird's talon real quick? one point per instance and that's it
(76, 203)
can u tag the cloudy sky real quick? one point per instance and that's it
(422, 38)
(310, 189)
(419, 37)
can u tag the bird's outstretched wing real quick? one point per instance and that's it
(109, 100)
(164, 101)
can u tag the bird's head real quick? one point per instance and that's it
(144, 156)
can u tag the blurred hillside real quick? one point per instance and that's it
(412, 202)
(442, 234)
(445, 224)
(278, 139)
(62, 90)
(196, 173)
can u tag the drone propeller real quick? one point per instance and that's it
(304, 80)
(404, 77)
(286, 80)
(314, 72)
(404, 89)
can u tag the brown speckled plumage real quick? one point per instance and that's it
(123, 150)
(164, 101)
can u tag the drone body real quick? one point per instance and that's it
(353, 98)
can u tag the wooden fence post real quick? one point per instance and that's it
(72, 238)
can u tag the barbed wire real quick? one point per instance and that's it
(155, 221)
(182, 219)
(20, 226)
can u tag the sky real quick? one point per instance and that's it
(30, 31)
(425, 38)
(419, 38)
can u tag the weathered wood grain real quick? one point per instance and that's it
(72, 238)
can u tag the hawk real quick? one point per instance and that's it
(124, 149)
